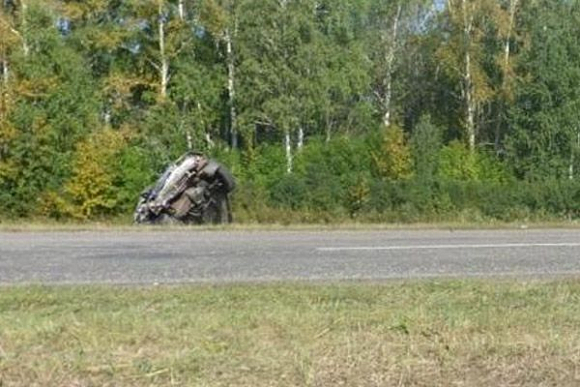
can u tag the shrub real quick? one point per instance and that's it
(458, 163)
(392, 158)
(90, 191)
(425, 144)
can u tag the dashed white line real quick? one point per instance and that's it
(449, 246)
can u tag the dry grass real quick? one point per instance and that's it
(126, 225)
(446, 333)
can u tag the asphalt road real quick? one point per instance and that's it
(190, 255)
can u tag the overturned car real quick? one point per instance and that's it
(193, 190)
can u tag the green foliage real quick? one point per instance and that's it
(458, 163)
(358, 196)
(289, 192)
(544, 142)
(86, 121)
(54, 108)
(165, 131)
(134, 172)
(425, 144)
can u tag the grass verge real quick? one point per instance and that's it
(125, 226)
(426, 333)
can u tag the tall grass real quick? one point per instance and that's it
(445, 333)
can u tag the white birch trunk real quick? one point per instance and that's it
(107, 117)
(328, 126)
(24, 22)
(506, 62)
(209, 141)
(468, 96)
(5, 72)
(181, 10)
(4, 91)
(469, 103)
(288, 146)
(231, 89)
(300, 142)
(389, 59)
(189, 140)
(4, 102)
(164, 68)
(506, 59)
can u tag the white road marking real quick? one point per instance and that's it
(449, 247)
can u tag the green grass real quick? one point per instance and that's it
(425, 333)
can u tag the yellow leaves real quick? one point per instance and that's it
(9, 36)
(52, 204)
(38, 87)
(7, 133)
(482, 88)
(122, 84)
(119, 88)
(6, 103)
(470, 25)
(462, 53)
(393, 159)
(106, 39)
(214, 16)
(465, 54)
(8, 169)
(91, 188)
(358, 196)
(76, 10)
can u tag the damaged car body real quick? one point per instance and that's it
(193, 190)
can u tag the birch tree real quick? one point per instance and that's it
(388, 23)
(462, 57)
(14, 55)
(221, 19)
(335, 70)
(15, 21)
(506, 24)
(158, 26)
(9, 40)
(13, 29)
(391, 24)
(271, 35)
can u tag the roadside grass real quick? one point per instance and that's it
(415, 333)
(44, 225)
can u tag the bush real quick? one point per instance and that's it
(289, 192)
(91, 190)
(458, 163)
(392, 157)
(425, 144)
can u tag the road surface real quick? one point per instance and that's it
(198, 256)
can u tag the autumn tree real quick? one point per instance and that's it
(9, 44)
(462, 56)
(54, 106)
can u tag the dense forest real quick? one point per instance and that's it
(324, 110)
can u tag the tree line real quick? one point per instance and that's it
(380, 110)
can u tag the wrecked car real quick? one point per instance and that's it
(193, 190)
